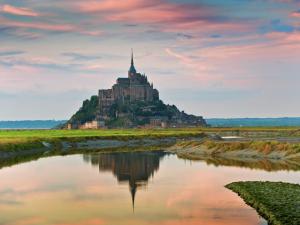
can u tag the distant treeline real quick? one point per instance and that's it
(30, 124)
(255, 122)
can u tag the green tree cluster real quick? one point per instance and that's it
(87, 112)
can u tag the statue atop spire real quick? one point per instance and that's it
(132, 70)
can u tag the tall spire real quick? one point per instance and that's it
(132, 63)
(133, 189)
(132, 70)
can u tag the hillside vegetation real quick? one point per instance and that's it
(87, 112)
(135, 113)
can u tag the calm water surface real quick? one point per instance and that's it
(126, 188)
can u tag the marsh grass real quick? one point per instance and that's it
(265, 147)
(26, 139)
(277, 202)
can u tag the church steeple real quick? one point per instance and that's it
(132, 70)
(132, 63)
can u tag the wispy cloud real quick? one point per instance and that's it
(28, 64)
(21, 11)
(295, 14)
(254, 61)
(80, 57)
(11, 53)
(236, 45)
(169, 15)
(38, 25)
(114, 6)
(21, 33)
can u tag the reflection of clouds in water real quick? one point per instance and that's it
(9, 201)
(9, 197)
(54, 187)
(67, 191)
(202, 197)
(35, 220)
(95, 221)
(86, 195)
(39, 221)
(7, 191)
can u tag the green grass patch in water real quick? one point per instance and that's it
(277, 202)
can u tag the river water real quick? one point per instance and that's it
(127, 188)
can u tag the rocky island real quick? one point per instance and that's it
(131, 102)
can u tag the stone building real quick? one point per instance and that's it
(91, 125)
(135, 87)
(131, 102)
(106, 99)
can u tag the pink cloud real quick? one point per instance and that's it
(186, 60)
(29, 221)
(162, 12)
(295, 14)
(22, 28)
(18, 11)
(86, 222)
(38, 25)
(241, 61)
(112, 5)
(92, 33)
(169, 16)
(196, 65)
(285, 38)
(208, 27)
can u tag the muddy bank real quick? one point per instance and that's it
(45, 149)
(270, 156)
(104, 144)
(266, 155)
(258, 133)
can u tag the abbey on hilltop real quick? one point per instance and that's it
(133, 88)
(131, 102)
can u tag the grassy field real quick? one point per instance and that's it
(277, 202)
(18, 139)
(6, 135)
(18, 134)
(12, 139)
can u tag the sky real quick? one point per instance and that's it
(215, 58)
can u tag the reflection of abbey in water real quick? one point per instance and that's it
(135, 168)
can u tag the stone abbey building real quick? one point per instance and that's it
(135, 87)
(131, 102)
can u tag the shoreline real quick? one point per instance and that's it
(238, 158)
(254, 148)
(265, 155)
(64, 147)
